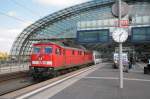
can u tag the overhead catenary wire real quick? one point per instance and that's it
(13, 17)
(26, 8)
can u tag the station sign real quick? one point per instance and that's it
(123, 23)
(93, 36)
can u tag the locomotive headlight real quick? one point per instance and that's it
(35, 62)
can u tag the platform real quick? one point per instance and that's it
(100, 83)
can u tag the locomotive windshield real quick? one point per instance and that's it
(48, 50)
(36, 50)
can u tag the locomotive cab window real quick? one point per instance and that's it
(36, 49)
(48, 50)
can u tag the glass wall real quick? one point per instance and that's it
(93, 36)
(140, 34)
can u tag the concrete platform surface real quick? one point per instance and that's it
(100, 83)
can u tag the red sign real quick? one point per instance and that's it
(124, 23)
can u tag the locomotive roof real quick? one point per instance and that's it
(52, 43)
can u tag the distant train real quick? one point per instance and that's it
(97, 57)
(48, 58)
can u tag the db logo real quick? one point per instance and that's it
(40, 60)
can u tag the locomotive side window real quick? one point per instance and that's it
(63, 52)
(36, 49)
(58, 51)
(48, 50)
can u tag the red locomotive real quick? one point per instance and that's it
(48, 58)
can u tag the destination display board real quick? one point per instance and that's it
(140, 34)
(93, 36)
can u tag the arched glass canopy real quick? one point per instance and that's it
(65, 23)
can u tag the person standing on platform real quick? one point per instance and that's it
(131, 62)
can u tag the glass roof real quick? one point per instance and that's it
(64, 24)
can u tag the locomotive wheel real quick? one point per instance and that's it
(70, 69)
(74, 69)
(55, 73)
(35, 78)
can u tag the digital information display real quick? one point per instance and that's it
(140, 34)
(93, 36)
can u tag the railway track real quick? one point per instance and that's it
(15, 84)
(14, 75)
(13, 81)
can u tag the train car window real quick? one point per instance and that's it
(63, 52)
(48, 50)
(58, 51)
(36, 49)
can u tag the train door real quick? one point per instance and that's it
(64, 57)
(58, 60)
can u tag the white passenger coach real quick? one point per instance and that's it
(97, 57)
